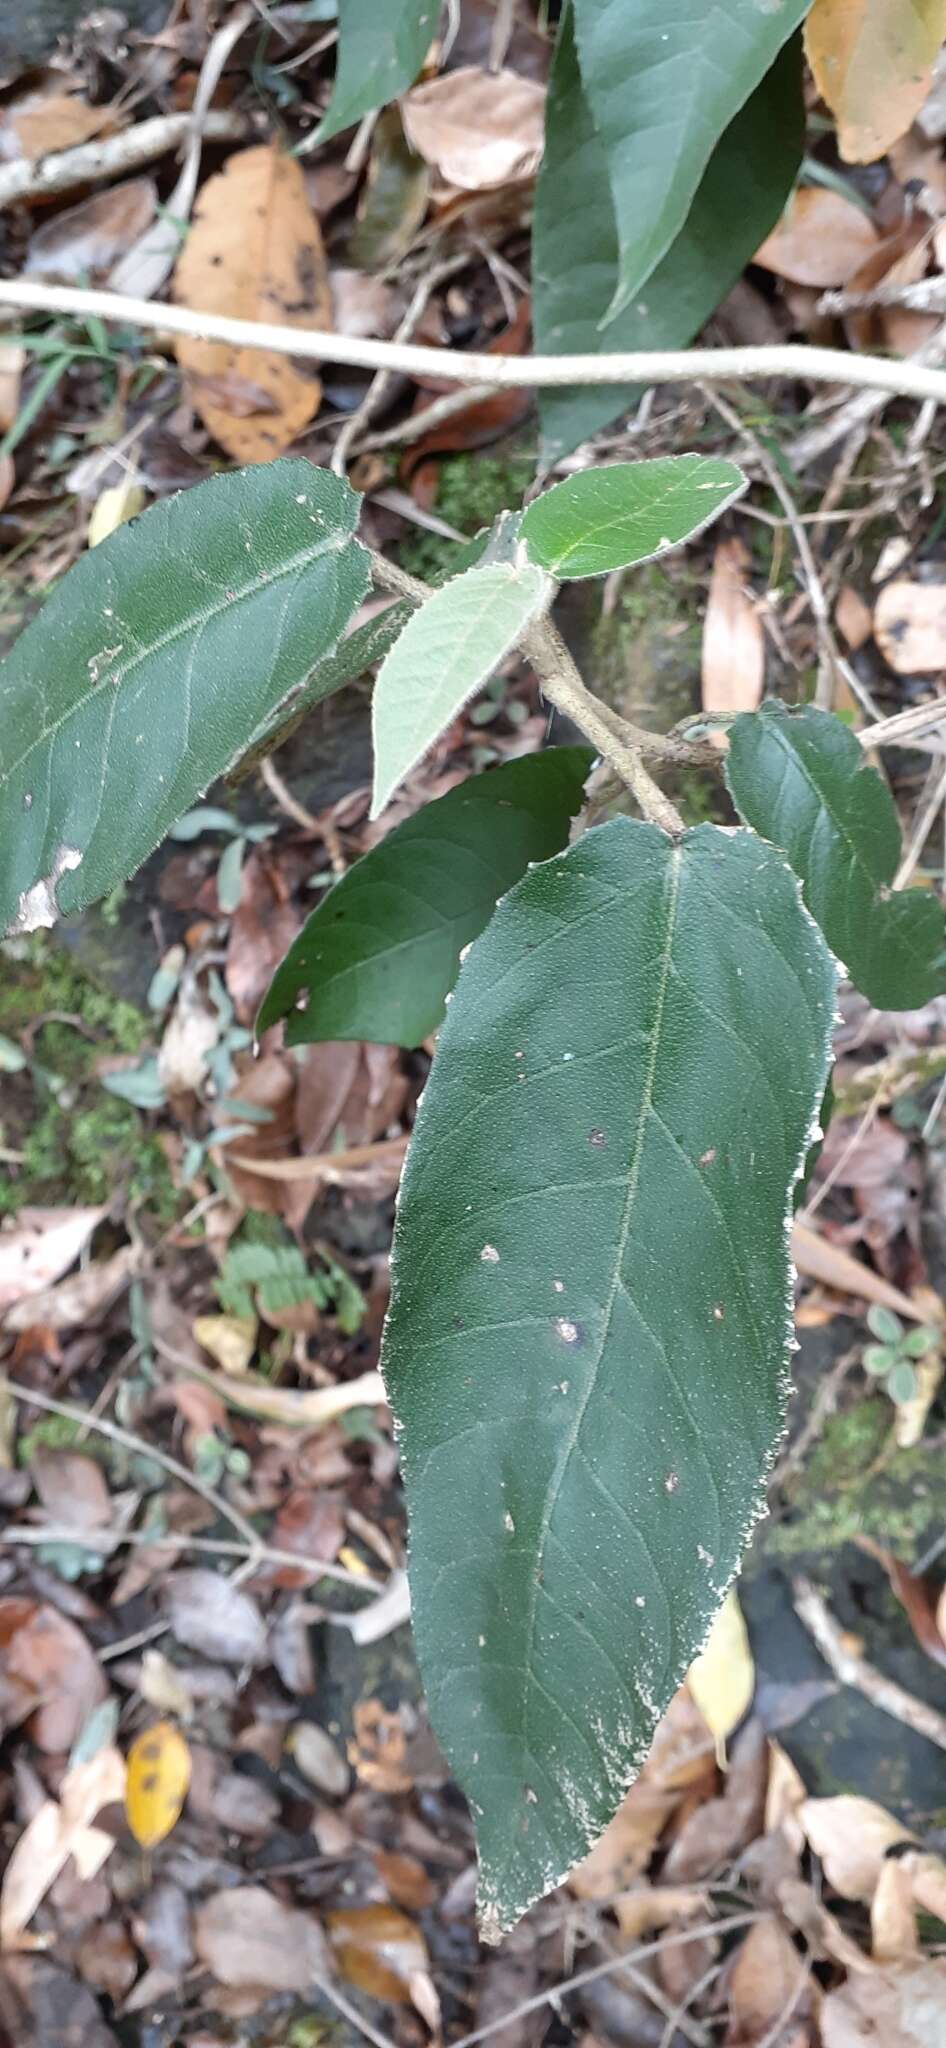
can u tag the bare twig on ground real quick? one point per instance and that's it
(255, 1555)
(149, 262)
(852, 1669)
(112, 156)
(832, 663)
(288, 804)
(931, 802)
(417, 424)
(252, 1546)
(911, 378)
(381, 382)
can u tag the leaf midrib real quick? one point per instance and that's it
(671, 897)
(195, 622)
(786, 747)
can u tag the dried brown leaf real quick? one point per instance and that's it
(765, 1982)
(262, 929)
(71, 1488)
(47, 122)
(733, 657)
(477, 129)
(48, 1661)
(892, 2008)
(88, 238)
(254, 251)
(910, 626)
(79, 1300)
(821, 239)
(853, 618)
(893, 1913)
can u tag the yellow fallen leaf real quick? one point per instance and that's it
(872, 61)
(159, 1771)
(112, 508)
(231, 1340)
(722, 1678)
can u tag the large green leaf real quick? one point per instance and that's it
(159, 659)
(446, 652)
(664, 81)
(606, 518)
(587, 1344)
(800, 778)
(380, 52)
(379, 956)
(575, 249)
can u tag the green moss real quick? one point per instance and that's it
(54, 1433)
(76, 1141)
(471, 491)
(856, 1484)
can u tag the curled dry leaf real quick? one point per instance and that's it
(733, 655)
(58, 1830)
(46, 122)
(254, 251)
(852, 1837)
(248, 1937)
(39, 1247)
(316, 1756)
(910, 626)
(821, 239)
(231, 1340)
(893, 1914)
(89, 238)
(477, 129)
(81, 1298)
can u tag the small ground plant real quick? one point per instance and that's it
(589, 1330)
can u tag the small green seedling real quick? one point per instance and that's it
(891, 1359)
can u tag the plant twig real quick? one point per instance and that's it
(417, 424)
(852, 1669)
(253, 1545)
(257, 1554)
(562, 685)
(112, 156)
(382, 380)
(910, 378)
(857, 412)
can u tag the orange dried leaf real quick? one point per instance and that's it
(378, 1949)
(254, 252)
(159, 1771)
(872, 61)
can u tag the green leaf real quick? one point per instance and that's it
(575, 249)
(380, 52)
(154, 664)
(917, 1343)
(663, 82)
(587, 1343)
(878, 1358)
(882, 1323)
(801, 779)
(447, 651)
(901, 1382)
(604, 519)
(378, 957)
